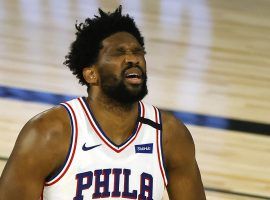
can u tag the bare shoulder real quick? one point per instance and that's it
(177, 141)
(174, 129)
(46, 128)
(39, 141)
(40, 149)
(179, 152)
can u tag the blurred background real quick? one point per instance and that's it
(208, 63)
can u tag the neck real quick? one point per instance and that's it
(117, 120)
(111, 106)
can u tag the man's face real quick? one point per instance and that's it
(122, 68)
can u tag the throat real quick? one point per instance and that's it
(118, 123)
(116, 107)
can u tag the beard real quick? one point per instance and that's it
(116, 89)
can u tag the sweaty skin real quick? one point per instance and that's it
(43, 143)
(179, 153)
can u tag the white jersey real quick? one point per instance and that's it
(97, 168)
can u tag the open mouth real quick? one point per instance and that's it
(133, 75)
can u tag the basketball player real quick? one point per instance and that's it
(109, 144)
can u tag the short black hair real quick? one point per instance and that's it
(84, 50)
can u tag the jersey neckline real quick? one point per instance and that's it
(102, 135)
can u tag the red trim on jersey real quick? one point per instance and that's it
(111, 146)
(158, 149)
(74, 144)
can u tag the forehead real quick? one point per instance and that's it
(120, 39)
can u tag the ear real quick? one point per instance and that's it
(90, 75)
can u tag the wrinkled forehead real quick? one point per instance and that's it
(120, 40)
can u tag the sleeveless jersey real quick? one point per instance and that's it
(95, 167)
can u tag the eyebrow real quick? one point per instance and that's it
(122, 49)
(139, 49)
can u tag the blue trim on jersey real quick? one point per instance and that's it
(104, 134)
(60, 169)
(161, 148)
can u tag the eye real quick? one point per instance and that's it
(116, 53)
(139, 51)
(122, 51)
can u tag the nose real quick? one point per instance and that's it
(131, 58)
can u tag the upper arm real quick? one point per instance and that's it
(179, 151)
(34, 156)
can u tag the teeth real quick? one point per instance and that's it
(132, 75)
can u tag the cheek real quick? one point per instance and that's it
(110, 65)
(113, 62)
(106, 76)
(109, 70)
(142, 63)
